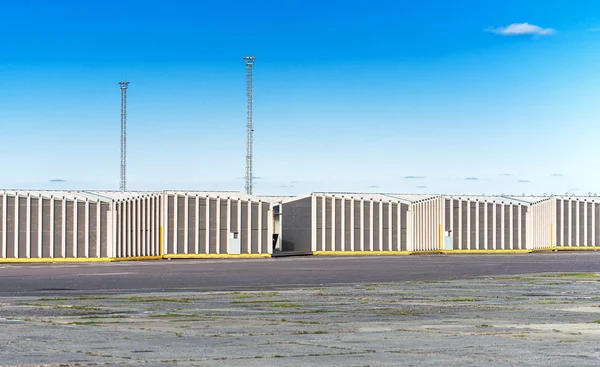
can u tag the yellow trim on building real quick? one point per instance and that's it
(361, 252)
(213, 256)
(577, 248)
(136, 258)
(57, 260)
(486, 251)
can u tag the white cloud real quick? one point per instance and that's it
(521, 29)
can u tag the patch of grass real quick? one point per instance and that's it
(108, 317)
(572, 275)
(310, 332)
(92, 354)
(556, 331)
(459, 300)
(158, 299)
(401, 314)
(483, 326)
(569, 341)
(258, 301)
(76, 307)
(596, 322)
(82, 298)
(91, 323)
(179, 335)
(285, 305)
(308, 322)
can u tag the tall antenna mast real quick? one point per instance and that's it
(123, 185)
(249, 61)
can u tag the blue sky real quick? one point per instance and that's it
(395, 96)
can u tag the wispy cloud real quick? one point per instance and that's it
(413, 177)
(57, 180)
(373, 187)
(471, 178)
(506, 174)
(595, 29)
(421, 187)
(524, 181)
(521, 29)
(557, 174)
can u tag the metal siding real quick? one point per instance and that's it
(22, 239)
(223, 230)
(566, 223)
(234, 216)
(104, 228)
(590, 241)
(356, 225)
(81, 229)
(463, 230)
(10, 227)
(597, 223)
(490, 226)
(245, 240)
(328, 226)
(473, 226)
(559, 225)
(376, 219)
(574, 224)
(319, 224)
(46, 225)
(524, 228)
(515, 226)
(367, 224)
(386, 226)
(395, 239)
(202, 245)
(482, 225)
(338, 224)
(498, 226)
(180, 225)
(580, 240)
(447, 213)
(254, 242)
(212, 226)
(58, 234)
(455, 228)
(507, 226)
(170, 245)
(93, 229)
(192, 225)
(267, 243)
(404, 227)
(348, 225)
(35, 203)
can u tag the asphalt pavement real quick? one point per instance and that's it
(274, 273)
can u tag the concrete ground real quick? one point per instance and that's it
(273, 274)
(508, 320)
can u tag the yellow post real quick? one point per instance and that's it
(440, 237)
(160, 241)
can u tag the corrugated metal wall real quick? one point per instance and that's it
(427, 217)
(484, 225)
(203, 224)
(137, 226)
(53, 227)
(577, 222)
(541, 225)
(348, 223)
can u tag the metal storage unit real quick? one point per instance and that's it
(55, 225)
(540, 221)
(485, 223)
(577, 222)
(210, 223)
(348, 222)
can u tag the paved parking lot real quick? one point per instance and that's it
(541, 320)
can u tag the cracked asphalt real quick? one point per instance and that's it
(501, 320)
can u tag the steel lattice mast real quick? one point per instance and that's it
(123, 85)
(249, 61)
